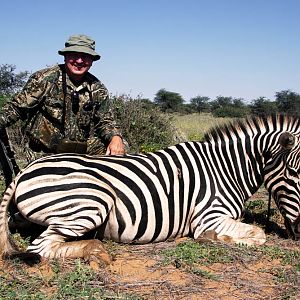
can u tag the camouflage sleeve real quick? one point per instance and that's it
(105, 125)
(24, 102)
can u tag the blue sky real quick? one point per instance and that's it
(239, 48)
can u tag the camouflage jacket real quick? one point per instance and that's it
(80, 114)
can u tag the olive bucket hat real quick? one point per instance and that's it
(80, 43)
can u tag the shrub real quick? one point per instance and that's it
(144, 127)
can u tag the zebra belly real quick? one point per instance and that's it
(120, 228)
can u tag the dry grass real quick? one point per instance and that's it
(193, 126)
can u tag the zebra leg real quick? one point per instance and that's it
(52, 244)
(232, 231)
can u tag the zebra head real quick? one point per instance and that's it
(282, 179)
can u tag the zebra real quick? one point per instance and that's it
(195, 189)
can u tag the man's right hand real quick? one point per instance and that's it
(116, 146)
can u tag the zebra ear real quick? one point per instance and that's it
(287, 140)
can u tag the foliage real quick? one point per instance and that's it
(229, 107)
(231, 111)
(288, 102)
(200, 103)
(144, 127)
(146, 103)
(262, 106)
(168, 101)
(220, 102)
(185, 109)
(11, 82)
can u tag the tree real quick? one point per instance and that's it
(238, 102)
(10, 82)
(229, 107)
(220, 102)
(201, 103)
(262, 106)
(288, 102)
(168, 101)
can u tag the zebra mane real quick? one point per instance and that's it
(236, 126)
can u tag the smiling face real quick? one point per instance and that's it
(77, 65)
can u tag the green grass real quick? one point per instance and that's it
(287, 257)
(190, 253)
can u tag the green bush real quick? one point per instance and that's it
(144, 126)
(231, 111)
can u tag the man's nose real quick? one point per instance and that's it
(79, 60)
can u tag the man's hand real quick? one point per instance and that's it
(116, 146)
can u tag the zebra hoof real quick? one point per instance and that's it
(252, 236)
(94, 251)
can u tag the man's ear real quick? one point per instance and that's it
(287, 140)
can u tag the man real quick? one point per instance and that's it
(65, 108)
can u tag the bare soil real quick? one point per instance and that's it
(138, 269)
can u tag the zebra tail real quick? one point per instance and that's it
(7, 245)
(8, 248)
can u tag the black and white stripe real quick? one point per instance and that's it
(186, 189)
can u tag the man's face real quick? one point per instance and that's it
(78, 63)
